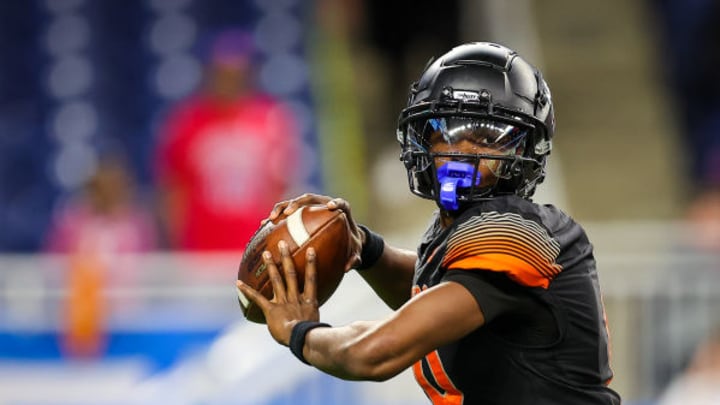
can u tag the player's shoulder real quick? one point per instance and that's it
(511, 217)
(552, 219)
(510, 235)
(519, 211)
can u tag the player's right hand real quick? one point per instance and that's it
(289, 305)
(285, 208)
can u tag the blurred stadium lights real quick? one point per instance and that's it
(171, 37)
(69, 83)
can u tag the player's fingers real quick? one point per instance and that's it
(310, 290)
(344, 206)
(353, 262)
(290, 273)
(275, 278)
(303, 200)
(278, 208)
(254, 296)
(339, 203)
(355, 232)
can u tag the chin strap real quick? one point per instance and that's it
(454, 175)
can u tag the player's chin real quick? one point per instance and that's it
(488, 183)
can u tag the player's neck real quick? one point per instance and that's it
(446, 219)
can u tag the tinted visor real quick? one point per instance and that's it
(468, 135)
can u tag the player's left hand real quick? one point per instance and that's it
(285, 208)
(288, 306)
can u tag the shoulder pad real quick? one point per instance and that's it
(504, 242)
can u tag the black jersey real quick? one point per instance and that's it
(545, 341)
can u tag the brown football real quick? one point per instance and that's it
(325, 230)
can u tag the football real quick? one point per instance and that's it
(327, 231)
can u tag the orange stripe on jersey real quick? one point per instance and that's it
(451, 395)
(429, 390)
(507, 243)
(517, 269)
(509, 247)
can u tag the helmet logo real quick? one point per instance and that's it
(543, 147)
(466, 95)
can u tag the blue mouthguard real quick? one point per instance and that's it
(454, 175)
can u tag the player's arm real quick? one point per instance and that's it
(379, 350)
(376, 350)
(390, 276)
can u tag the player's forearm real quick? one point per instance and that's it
(351, 352)
(391, 277)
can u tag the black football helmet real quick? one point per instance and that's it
(487, 93)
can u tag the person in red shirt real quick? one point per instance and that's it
(226, 154)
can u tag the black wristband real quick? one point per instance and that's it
(372, 249)
(297, 337)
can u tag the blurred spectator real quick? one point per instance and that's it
(104, 219)
(700, 383)
(226, 154)
(690, 56)
(97, 229)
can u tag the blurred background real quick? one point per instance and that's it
(142, 141)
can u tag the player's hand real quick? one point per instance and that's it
(288, 306)
(285, 208)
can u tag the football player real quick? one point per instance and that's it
(501, 303)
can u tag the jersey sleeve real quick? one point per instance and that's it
(494, 293)
(504, 243)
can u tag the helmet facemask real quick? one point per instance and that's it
(455, 159)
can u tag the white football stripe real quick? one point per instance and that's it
(296, 227)
(243, 299)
